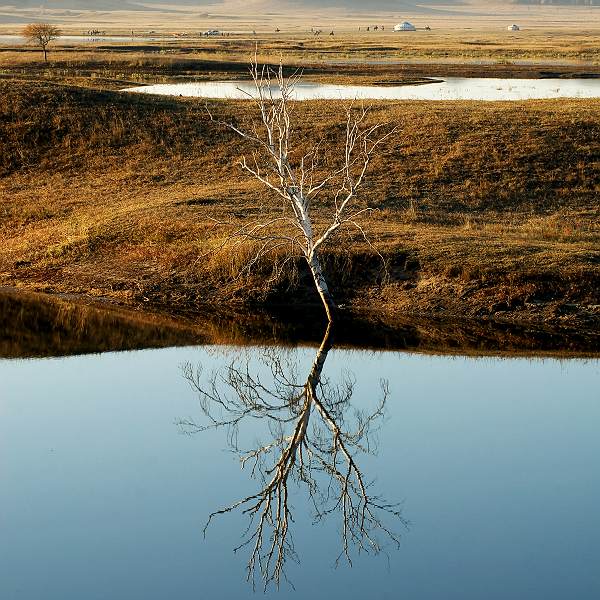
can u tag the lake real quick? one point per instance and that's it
(484, 466)
(450, 88)
(18, 40)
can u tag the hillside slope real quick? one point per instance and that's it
(484, 210)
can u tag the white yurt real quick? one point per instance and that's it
(405, 26)
(513, 27)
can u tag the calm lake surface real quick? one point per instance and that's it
(450, 88)
(493, 461)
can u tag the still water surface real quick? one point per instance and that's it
(450, 88)
(493, 460)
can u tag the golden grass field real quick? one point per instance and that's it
(484, 210)
(575, 48)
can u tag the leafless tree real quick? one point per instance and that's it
(299, 181)
(41, 34)
(314, 440)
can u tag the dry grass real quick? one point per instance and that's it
(379, 56)
(574, 43)
(483, 208)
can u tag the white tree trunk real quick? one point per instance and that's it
(299, 185)
(321, 284)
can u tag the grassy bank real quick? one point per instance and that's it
(484, 210)
(358, 56)
(301, 47)
(41, 325)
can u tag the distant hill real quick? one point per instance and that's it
(272, 6)
(103, 5)
(368, 6)
(560, 2)
(70, 4)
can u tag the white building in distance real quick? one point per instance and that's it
(405, 26)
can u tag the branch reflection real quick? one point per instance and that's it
(315, 439)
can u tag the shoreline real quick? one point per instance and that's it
(292, 326)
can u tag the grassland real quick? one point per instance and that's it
(445, 52)
(485, 210)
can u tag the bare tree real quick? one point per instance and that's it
(41, 34)
(314, 441)
(298, 180)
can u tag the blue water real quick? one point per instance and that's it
(494, 460)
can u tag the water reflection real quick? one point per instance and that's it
(38, 325)
(315, 440)
(41, 325)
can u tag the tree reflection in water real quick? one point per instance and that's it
(315, 438)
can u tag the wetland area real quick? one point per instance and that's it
(437, 439)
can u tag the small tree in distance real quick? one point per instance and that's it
(41, 34)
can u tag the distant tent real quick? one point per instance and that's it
(513, 27)
(406, 26)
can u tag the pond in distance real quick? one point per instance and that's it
(450, 88)
(18, 40)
